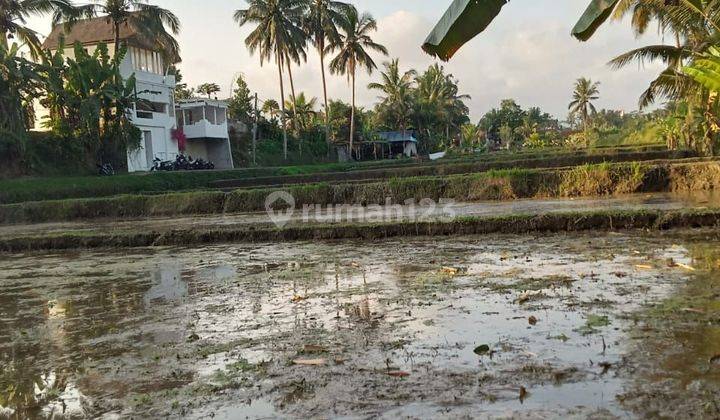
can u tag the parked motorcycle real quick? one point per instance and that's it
(181, 163)
(106, 169)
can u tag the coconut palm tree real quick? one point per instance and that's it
(397, 93)
(208, 89)
(271, 108)
(14, 15)
(151, 20)
(321, 24)
(586, 91)
(470, 136)
(274, 36)
(353, 45)
(304, 112)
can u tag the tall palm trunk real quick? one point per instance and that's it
(321, 50)
(117, 38)
(282, 105)
(352, 112)
(294, 104)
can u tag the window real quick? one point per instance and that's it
(148, 61)
(158, 107)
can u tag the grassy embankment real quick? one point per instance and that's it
(585, 180)
(36, 189)
(515, 224)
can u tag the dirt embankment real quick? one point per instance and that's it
(516, 224)
(582, 181)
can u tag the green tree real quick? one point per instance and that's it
(470, 136)
(182, 92)
(440, 108)
(275, 34)
(321, 23)
(510, 114)
(14, 15)
(507, 136)
(396, 102)
(271, 108)
(95, 103)
(241, 106)
(149, 19)
(353, 46)
(208, 89)
(586, 91)
(19, 83)
(303, 113)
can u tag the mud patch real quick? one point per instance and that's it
(389, 328)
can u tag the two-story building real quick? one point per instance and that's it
(155, 115)
(204, 125)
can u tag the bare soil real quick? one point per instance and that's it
(597, 325)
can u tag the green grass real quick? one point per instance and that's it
(52, 188)
(587, 180)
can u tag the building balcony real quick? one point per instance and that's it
(205, 129)
(202, 119)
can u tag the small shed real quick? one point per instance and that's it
(400, 142)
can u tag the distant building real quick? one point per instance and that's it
(399, 142)
(155, 116)
(204, 126)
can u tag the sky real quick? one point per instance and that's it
(526, 54)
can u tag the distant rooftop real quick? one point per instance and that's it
(95, 31)
(397, 136)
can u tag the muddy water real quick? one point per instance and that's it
(568, 325)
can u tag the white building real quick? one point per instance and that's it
(156, 119)
(204, 124)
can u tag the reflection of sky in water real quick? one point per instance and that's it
(168, 284)
(130, 329)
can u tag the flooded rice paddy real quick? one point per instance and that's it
(580, 325)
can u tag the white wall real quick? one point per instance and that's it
(149, 86)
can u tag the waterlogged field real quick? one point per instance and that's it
(596, 324)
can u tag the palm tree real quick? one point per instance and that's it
(352, 45)
(438, 98)
(208, 89)
(321, 24)
(585, 93)
(14, 15)
(271, 108)
(397, 92)
(151, 20)
(304, 112)
(275, 35)
(470, 135)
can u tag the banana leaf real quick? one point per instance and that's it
(595, 15)
(461, 23)
(465, 19)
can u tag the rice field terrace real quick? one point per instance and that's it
(39, 189)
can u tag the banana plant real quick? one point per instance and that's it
(465, 19)
(705, 70)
